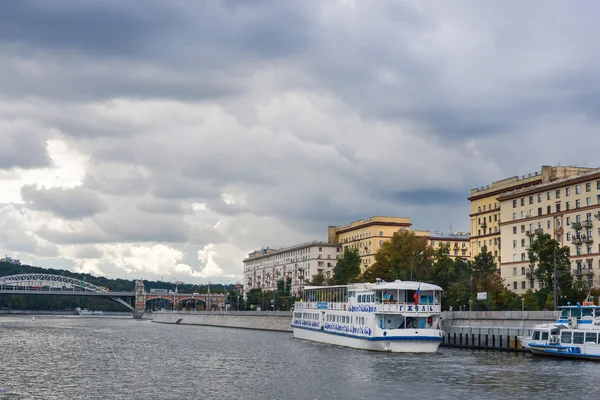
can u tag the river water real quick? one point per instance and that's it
(111, 358)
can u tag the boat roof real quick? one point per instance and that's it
(383, 285)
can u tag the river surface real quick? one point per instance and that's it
(121, 358)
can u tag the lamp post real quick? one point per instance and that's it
(522, 312)
(238, 304)
(411, 262)
(555, 285)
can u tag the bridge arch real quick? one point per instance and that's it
(57, 284)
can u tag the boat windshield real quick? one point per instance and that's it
(576, 312)
(565, 313)
(588, 312)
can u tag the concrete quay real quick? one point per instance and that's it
(257, 320)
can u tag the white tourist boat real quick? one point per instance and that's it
(400, 316)
(574, 335)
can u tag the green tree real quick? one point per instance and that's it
(347, 269)
(317, 280)
(541, 257)
(397, 257)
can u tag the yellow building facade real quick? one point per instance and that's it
(569, 210)
(485, 208)
(367, 235)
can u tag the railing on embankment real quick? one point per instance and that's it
(494, 330)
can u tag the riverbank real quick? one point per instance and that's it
(59, 313)
(255, 320)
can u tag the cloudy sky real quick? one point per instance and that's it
(170, 138)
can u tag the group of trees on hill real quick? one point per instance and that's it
(407, 254)
(55, 302)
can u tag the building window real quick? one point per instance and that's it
(577, 203)
(549, 224)
(522, 284)
(380, 233)
(523, 201)
(522, 228)
(588, 187)
(589, 249)
(515, 271)
(514, 244)
(432, 243)
(381, 242)
(558, 207)
(514, 257)
(539, 211)
(522, 214)
(530, 199)
(514, 230)
(539, 198)
(547, 195)
(588, 201)
(567, 205)
(568, 221)
(568, 236)
(531, 284)
(557, 193)
(577, 189)
(515, 285)
(522, 242)
(495, 217)
(523, 257)
(578, 250)
(479, 209)
(515, 203)
(549, 210)
(522, 270)
(515, 214)
(567, 191)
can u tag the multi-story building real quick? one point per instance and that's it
(459, 242)
(485, 210)
(569, 210)
(263, 268)
(460, 246)
(367, 235)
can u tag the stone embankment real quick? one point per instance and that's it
(473, 329)
(258, 320)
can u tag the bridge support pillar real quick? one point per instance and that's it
(140, 299)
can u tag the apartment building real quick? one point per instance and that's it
(485, 210)
(367, 235)
(568, 209)
(459, 242)
(263, 268)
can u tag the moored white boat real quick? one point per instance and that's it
(575, 334)
(400, 316)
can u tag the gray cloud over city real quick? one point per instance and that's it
(170, 138)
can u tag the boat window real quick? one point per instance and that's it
(564, 313)
(591, 337)
(576, 312)
(536, 335)
(565, 337)
(578, 337)
(588, 312)
(544, 335)
(597, 312)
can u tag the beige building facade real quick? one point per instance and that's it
(263, 268)
(485, 211)
(569, 210)
(367, 235)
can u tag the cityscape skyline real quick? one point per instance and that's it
(188, 135)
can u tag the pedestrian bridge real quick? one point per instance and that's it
(46, 284)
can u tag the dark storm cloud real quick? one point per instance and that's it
(19, 147)
(70, 204)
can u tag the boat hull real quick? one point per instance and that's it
(425, 341)
(584, 352)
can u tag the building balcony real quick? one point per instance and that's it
(588, 239)
(576, 225)
(539, 231)
(578, 272)
(576, 240)
(586, 224)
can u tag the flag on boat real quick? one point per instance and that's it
(417, 294)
